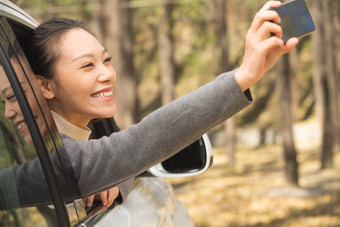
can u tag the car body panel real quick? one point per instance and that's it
(12, 11)
(152, 202)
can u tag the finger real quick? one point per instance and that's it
(112, 195)
(265, 14)
(280, 47)
(272, 43)
(88, 201)
(262, 17)
(269, 28)
(271, 4)
(290, 44)
(84, 201)
(103, 198)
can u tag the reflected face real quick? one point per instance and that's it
(12, 108)
(84, 79)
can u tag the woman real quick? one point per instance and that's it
(77, 80)
(74, 96)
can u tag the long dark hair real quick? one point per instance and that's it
(45, 42)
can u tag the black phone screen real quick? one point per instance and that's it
(296, 20)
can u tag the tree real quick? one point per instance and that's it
(117, 35)
(285, 72)
(166, 54)
(326, 79)
(222, 28)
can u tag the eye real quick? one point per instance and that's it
(10, 98)
(108, 59)
(87, 65)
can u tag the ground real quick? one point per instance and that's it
(254, 192)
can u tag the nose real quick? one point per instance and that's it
(107, 73)
(9, 112)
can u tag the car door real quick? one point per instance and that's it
(29, 194)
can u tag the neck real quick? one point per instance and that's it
(75, 120)
(67, 128)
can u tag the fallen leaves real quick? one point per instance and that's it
(244, 195)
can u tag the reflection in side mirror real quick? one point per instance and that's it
(192, 160)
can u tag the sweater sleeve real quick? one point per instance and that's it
(160, 135)
(124, 190)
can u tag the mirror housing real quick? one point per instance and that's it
(192, 160)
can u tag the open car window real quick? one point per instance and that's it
(25, 198)
(29, 143)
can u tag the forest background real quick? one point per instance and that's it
(163, 49)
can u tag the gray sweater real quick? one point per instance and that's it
(157, 137)
(128, 153)
(67, 128)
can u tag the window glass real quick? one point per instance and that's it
(22, 181)
(25, 198)
(43, 120)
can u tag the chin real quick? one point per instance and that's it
(28, 139)
(106, 114)
(105, 111)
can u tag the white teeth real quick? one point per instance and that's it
(21, 125)
(102, 94)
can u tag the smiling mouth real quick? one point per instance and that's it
(22, 126)
(101, 95)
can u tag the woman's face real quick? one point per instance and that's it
(12, 109)
(84, 79)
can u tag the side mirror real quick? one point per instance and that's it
(192, 160)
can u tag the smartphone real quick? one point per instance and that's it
(296, 20)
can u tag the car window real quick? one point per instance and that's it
(25, 191)
(14, 153)
(23, 202)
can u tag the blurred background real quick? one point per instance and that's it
(277, 162)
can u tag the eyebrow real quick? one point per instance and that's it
(4, 90)
(87, 55)
(10, 87)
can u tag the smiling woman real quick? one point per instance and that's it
(77, 79)
(81, 87)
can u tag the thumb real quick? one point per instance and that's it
(290, 44)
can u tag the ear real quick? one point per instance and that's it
(45, 86)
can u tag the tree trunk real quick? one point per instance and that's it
(332, 34)
(336, 55)
(328, 45)
(118, 39)
(98, 22)
(331, 13)
(222, 28)
(322, 83)
(166, 55)
(284, 73)
(230, 132)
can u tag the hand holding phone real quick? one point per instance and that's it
(296, 20)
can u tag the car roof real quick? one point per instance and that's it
(12, 11)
